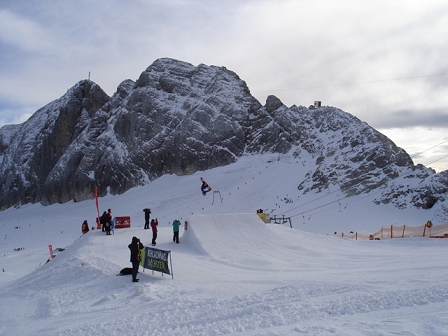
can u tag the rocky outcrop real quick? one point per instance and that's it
(37, 145)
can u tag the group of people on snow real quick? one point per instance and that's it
(107, 224)
(155, 223)
(106, 221)
(136, 245)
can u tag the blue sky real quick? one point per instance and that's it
(384, 61)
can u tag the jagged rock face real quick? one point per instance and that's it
(178, 119)
(184, 118)
(6, 133)
(358, 157)
(432, 188)
(37, 145)
(346, 152)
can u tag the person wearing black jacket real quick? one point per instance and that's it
(147, 212)
(135, 246)
(103, 220)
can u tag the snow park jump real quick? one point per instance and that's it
(237, 237)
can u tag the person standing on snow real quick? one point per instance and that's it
(103, 220)
(85, 227)
(147, 213)
(135, 246)
(108, 221)
(176, 225)
(154, 224)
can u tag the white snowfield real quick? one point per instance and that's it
(235, 275)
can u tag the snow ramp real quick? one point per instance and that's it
(240, 238)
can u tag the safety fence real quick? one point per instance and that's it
(427, 230)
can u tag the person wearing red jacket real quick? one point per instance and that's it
(154, 224)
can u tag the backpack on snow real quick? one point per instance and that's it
(126, 271)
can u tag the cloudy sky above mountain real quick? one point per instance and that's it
(382, 61)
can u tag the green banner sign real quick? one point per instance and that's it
(156, 260)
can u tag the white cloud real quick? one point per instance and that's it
(17, 115)
(300, 51)
(425, 145)
(23, 33)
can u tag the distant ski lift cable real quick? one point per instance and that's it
(413, 156)
(437, 160)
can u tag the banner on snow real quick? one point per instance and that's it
(156, 260)
(123, 222)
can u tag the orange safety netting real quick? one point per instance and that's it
(402, 231)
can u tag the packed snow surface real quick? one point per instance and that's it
(232, 273)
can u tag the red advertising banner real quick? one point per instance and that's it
(123, 222)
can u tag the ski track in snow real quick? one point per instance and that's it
(293, 305)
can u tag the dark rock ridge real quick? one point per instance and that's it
(177, 118)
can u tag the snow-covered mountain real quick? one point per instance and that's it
(177, 118)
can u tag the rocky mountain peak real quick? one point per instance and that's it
(272, 103)
(177, 118)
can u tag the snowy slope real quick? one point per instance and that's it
(233, 274)
(288, 283)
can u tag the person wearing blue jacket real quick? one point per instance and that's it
(176, 225)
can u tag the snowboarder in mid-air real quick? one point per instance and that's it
(205, 188)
